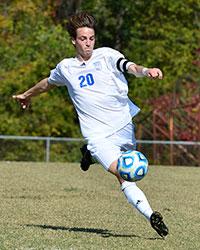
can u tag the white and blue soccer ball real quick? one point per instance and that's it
(132, 166)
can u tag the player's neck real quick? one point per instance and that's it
(82, 58)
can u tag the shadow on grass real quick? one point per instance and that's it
(103, 232)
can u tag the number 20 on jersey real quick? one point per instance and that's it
(86, 80)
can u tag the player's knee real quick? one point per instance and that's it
(113, 169)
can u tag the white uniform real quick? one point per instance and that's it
(99, 93)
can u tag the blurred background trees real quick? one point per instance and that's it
(33, 39)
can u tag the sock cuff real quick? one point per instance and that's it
(126, 184)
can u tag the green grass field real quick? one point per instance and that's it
(56, 206)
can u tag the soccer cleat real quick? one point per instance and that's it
(86, 160)
(158, 224)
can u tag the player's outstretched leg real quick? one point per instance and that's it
(86, 160)
(158, 224)
(137, 198)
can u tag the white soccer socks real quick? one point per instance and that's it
(137, 198)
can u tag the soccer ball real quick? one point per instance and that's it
(132, 166)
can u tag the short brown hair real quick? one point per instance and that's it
(79, 20)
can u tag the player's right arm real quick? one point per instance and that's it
(25, 98)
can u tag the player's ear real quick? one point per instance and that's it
(73, 41)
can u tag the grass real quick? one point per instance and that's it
(55, 206)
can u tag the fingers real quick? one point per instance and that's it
(159, 74)
(17, 97)
(14, 97)
(24, 103)
(155, 73)
(24, 106)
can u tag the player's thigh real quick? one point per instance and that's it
(105, 152)
(126, 137)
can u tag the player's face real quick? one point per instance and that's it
(84, 42)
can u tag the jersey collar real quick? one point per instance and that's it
(83, 63)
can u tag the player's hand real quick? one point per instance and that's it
(23, 100)
(154, 73)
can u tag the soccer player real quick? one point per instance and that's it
(98, 89)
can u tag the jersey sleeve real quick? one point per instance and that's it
(117, 61)
(112, 57)
(56, 77)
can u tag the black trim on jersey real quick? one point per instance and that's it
(118, 64)
(121, 64)
(124, 66)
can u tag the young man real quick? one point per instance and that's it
(98, 89)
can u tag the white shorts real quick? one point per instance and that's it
(107, 150)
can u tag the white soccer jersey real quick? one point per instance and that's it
(98, 91)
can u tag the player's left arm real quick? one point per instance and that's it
(140, 71)
(123, 65)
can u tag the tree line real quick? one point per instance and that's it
(33, 40)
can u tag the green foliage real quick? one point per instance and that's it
(154, 34)
(32, 46)
(27, 150)
(33, 40)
